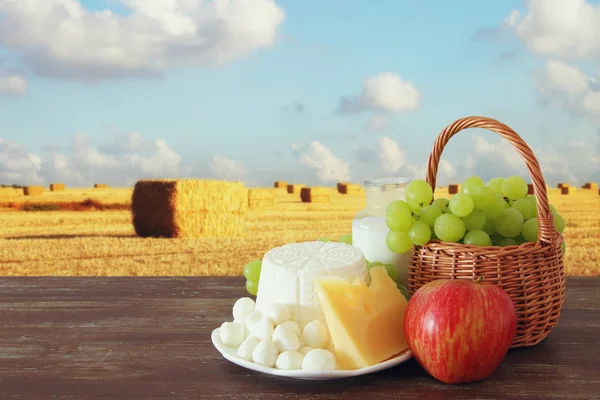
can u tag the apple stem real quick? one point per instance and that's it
(479, 279)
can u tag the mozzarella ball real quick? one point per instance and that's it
(304, 350)
(247, 347)
(318, 360)
(278, 313)
(291, 325)
(289, 360)
(285, 339)
(316, 334)
(265, 353)
(263, 329)
(232, 334)
(252, 319)
(242, 308)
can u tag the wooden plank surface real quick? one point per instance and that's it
(149, 338)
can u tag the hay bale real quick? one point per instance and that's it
(530, 188)
(261, 198)
(562, 185)
(339, 185)
(350, 188)
(280, 184)
(590, 186)
(567, 190)
(10, 192)
(100, 186)
(315, 195)
(294, 189)
(57, 187)
(453, 188)
(33, 190)
(189, 208)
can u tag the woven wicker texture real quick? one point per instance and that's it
(531, 273)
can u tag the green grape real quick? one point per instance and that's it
(461, 205)
(514, 187)
(495, 208)
(476, 220)
(418, 193)
(533, 201)
(252, 287)
(495, 184)
(376, 264)
(489, 227)
(323, 239)
(530, 230)
(482, 196)
(471, 183)
(420, 233)
(449, 228)
(398, 242)
(346, 238)
(552, 209)
(398, 205)
(559, 223)
(398, 216)
(510, 223)
(520, 239)
(252, 270)
(417, 211)
(524, 207)
(563, 248)
(402, 290)
(429, 215)
(441, 203)
(392, 271)
(477, 237)
(508, 242)
(399, 221)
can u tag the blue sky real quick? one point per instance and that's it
(244, 111)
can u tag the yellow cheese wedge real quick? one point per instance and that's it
(366, 323)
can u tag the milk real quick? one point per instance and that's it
(369, 235)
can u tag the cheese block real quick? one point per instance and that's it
(366, 323)
(288, 272)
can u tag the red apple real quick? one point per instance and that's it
(459, 330)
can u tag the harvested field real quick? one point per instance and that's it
(104, 242)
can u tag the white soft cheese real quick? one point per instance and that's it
(319, 360)
(289, 360)
(288, 272)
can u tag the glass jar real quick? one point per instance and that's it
(369, 229)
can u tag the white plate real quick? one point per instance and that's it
(230, 354)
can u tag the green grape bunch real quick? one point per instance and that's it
(494, 213)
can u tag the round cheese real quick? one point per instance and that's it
(288, 272)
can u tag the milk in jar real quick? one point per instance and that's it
(369, 229)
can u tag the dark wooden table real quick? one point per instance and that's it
(149, 338)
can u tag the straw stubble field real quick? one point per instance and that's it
(104, 242)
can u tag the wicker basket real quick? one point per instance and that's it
(531, 273)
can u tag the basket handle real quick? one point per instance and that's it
(546, 228)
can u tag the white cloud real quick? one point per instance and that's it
(575, 162)
(321, 163)
(12, 85)
(386, 93)
(571, 87)
(386, 157)
(391, 156)
(18, 165)
(227, 169)
(60, 38)
(559, 28)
